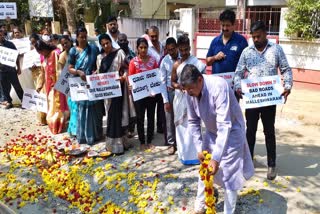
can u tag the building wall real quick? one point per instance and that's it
(149, 9)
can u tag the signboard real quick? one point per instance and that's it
(78, 89)
(227, 76)
(34, 101)
(30, 59)
(23, 44)
(262, 91)
(8, 56)
(62, 84)
(40, 8)
(104, 86)
(8, 10)
(145, 84)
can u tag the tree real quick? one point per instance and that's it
(303, 19)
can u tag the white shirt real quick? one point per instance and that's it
(114, 42)
(153, 51)
(165, 73)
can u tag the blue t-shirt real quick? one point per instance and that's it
(232, 50)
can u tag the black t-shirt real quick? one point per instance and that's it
(5, 68)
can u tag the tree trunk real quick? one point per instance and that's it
(70, 6)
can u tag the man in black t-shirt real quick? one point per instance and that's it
(9, 75)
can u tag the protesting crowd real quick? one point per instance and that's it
(194, 111)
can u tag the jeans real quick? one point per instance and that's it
(149, 104)
(268, 115)
(7, 79)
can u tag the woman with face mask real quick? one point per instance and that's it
(57, 113)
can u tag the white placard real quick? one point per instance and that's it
(145, 84)
(104, 86)
(8, 56)
(227, 76)
(62, 84)
(8, 9)
(262, 91)
(34, 101)
(78, 89)
(30, 59)
(22, 45)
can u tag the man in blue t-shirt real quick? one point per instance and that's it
(225, 50)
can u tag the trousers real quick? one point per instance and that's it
(268, 115)
(7, 79)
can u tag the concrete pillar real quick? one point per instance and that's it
(188, 24)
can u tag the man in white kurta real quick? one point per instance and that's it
(211, 100)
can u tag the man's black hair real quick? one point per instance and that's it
(258, 25)
(228, 15)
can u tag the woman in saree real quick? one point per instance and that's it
(57, 104)
(38, 82)
(117, 108)
(82, 61)
(66, 44)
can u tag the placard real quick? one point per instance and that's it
(40, 8)
(262, 91)
(104, 86)
(8, 10)
(227, 76)
(62, 84)
(34, 101)
(22, 45)
(78, 89)
(30, 59)
(145, 84)
(8, 56)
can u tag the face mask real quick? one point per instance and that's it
(45, 38)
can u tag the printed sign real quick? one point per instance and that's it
(104, 86)
(22, 45)
(227, 76)
(78, 89)
(263, 91)
(145, 84)
(30, 59)
(34, 101)
(8, 56)
(8, 10)
(62, 84)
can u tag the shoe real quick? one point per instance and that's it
(8, 106)
(172, 150)
(272, 173)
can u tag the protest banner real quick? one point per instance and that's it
(30, 59)
(145, 84)
(34, 101)
(78, 89)
(62, 84)
(8, 56)
(8, 10)
(227, 76)
(104, 86)
(22, 45)
(262, 91)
